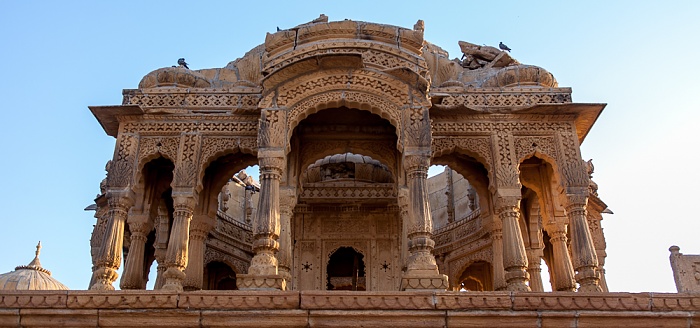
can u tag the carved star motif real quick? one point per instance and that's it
(386, 266)
(306, 266)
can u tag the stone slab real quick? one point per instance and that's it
(58, 318)
(149, 318)
(9, 317)
(492, 319)
(633, 319)
(255, 318)
(360, 318)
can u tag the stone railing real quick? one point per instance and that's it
(452, 234)
(234, 229)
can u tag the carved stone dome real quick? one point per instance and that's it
(348, 166)
(30, 277)
(174, 77)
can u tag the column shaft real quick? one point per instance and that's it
(585, 259)
(109, 257)
(514, 257)
(562, 268)
(263, 270)
(133, 266)
(194, 273)
(534, 269)
(499, 278)
(176, 256)
(422, 270)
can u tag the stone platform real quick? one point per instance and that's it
(346, 309)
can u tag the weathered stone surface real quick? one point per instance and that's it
(122, 299)
(492, 319)
(33, 299)
(58, 318)
(249, 300)
(369, 318)
(9, 318)
(266, 318)
(367, 300)
(633, 319)
(582, 301)
(149, 318)
(467, 301)
(674, 302)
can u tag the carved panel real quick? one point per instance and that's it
(165, 146)
(480, 147)
(528, 145)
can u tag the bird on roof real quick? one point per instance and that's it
(503, 46)
(182, 63)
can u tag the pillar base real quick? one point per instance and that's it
(261, 282)
(424, 282)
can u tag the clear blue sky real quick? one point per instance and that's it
(640, 57)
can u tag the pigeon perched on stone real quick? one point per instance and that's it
(278, 29)
(182, 63)
(503, 46)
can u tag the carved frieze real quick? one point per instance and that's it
(349, 192)
(244, 100)
(488, 98)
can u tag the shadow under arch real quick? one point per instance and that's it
(340, 130)
(471, 169)
(217, 174)
(346, 269)
(476, 276)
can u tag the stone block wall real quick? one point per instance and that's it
(345, 309)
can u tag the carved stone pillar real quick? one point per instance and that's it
(601, 270)
(287, 202)
(162, 226)
(109, 257)
(133, 266)
(199, 230)
(499, 278)
(534, 269)
(422, 271)
(176, 256)
(585, 259)
(263, 270)
(562, 269)
(514, 257)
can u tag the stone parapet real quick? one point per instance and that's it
(341, 308)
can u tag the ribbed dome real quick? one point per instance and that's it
(30, 277)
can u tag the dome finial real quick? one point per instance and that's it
(38, 249)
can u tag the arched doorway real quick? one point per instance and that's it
(476, 278)
(219, 276)
(346, 270)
